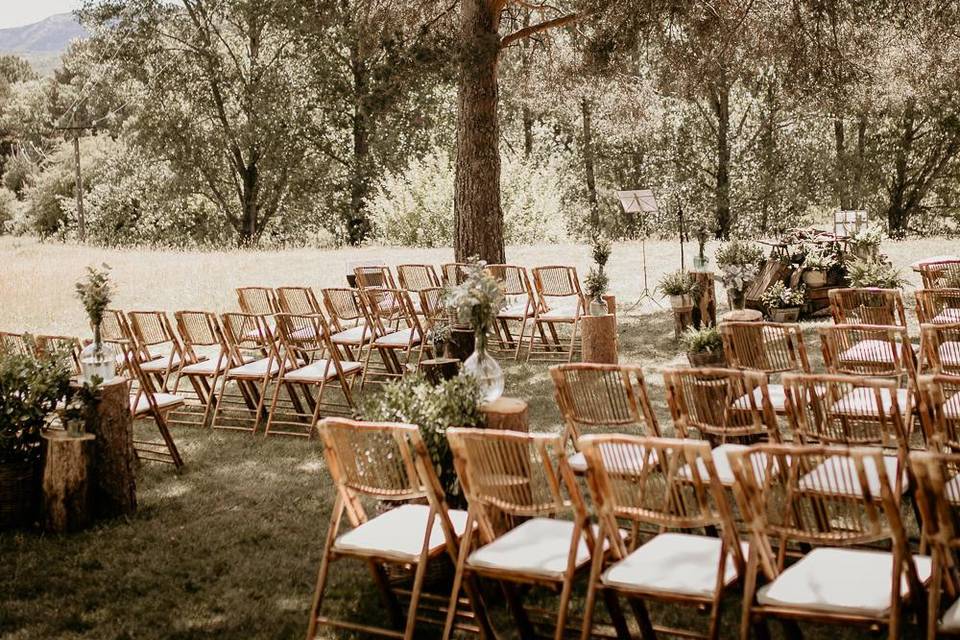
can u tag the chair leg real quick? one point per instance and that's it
(389, 597)
(324, 568)
(458, 580)
(616, 615)
(596, 563)
(519, 613)
(639, 608)
(272, 411)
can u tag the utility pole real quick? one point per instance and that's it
(76, 131)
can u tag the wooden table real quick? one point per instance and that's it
(742, 315)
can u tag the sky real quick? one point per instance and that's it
(15, 13)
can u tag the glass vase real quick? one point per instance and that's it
(485, 369)
(97, 360)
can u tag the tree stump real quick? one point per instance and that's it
(66, 475)
(682, 318)
(461, 344)
(611, 304)
(437, 370)
(506, 413)
(705, 307)
(113, 491)
(599, 339)
(742, 315)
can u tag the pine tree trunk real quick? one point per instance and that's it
(588, 164)
(841, 186)
(721, 107)
(358, 224)
(478, 216)
(897, 211)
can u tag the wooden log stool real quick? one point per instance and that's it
(705, 306)
(682, 318)
(599, 338)
(742, 315)
(114, 470)
(510, 414)
(436, 370)
(66, 480)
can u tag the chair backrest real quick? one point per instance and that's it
(307, 337)
(663, 482)
(199, 332)
(257, 300)
(389, 309)
(765, 346)
(943, 274)
(374, 276)
(17, 344)
(848, 410)
(67, 347)
(871, 350)
(938, 501)
(939, 403)
(297, 300)
(721, 404)
(512, 278)
(597, 398)
(344, 306)
(820, 496)
(556, 282)
(453, 273)
(867, 306)
(938, 306)
(247, 334)
(115, 330)
(417, 277)
(513, 474)
(154, 335)
(941, 345)
(431, 304)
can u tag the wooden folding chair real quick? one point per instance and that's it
(521, 303)
(559, 303)
(673, 487)
(944, 274)
(453, 273)
(938, 496)
(729, 408)
(257, 300)
(254, 364)
(17, 344)
(147, 402)
(115, 331)
(938, 306)
(867, 306)
(869, 350)
(67, 347)
(829, 500)
(297, 300)
(601, 398)
(388, 462)
(159, 350)
(348, 322)
(769, 347)
(939, 404)
(206, 357)
(417, 277)
(311, 363)
(941, 348)
(517, 487)
(374, 276)
(397, 332)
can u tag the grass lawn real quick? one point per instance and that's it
(229, 548)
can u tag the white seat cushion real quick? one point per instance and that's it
(949, 353)
(578, 462)
(778, 398)
(353, 336)
(210, 366)
(167, 361)
(255, 369)
(517, 310)
(840, 581)
(399, 533)
(676, 563)
(838, 476)
(720, 462)
(305, 333)
(863, 402)
(951, 619)
(951, 408)
(320, 371)
(539, 546)
(947, 316)
(398, 338)
(561, 313)
(139, 404)
(869, 351)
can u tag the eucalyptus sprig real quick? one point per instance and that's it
(95, 292)
(478, 299)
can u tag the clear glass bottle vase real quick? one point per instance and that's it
(97, 360)
(485, 369)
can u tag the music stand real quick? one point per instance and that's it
(644, 202)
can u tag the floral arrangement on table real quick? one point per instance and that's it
(876, 272)
(434, 409)
(597, 281)
(739, 263)
(476, 301)
(95, 292)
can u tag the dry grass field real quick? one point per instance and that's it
(229, 547)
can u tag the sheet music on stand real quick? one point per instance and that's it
(643, 202)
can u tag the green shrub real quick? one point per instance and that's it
(874, 273)
(17, 172)
(738, 253)
(678, 283)
(8, 209)
(702, 340)
(596, 283)
(30, 390)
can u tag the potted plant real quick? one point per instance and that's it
(30, 390)
(874, 272)
(439, 336)
(434, 409)
(596, 284)
(704, 346)
(97, 361)
(783, 303)
(816, 265)
(681, 287)
(865, 242)
(477, 301)
(739, 263)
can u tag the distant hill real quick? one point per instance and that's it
(42, 43)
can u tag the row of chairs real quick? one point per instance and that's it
(940, 274)
(872, 305)
(810, 532)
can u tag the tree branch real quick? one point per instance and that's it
(526, 32)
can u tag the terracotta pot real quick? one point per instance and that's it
(706, 359)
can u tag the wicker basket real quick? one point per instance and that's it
(18, 494)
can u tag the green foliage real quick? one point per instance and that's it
(701, 340)
(95, 293)
(433, 409)
(738, 253)
(30, 390)
(874, 273)
(678, 283)
(8, 209)
(477, 300)
(596, 283)
(819, 260)
(600, 250)
(415, 207)
(17, 172)
(780, 296)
